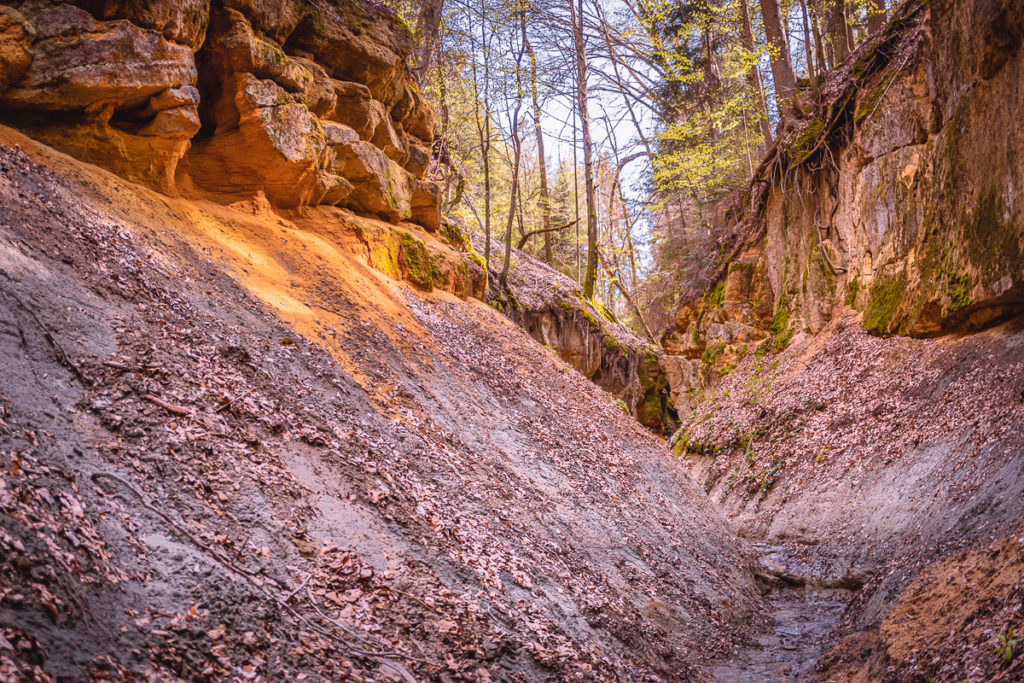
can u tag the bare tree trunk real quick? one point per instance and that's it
(839, 31)
(807, 49)
(517, 151)
(819, 44)
(485, 142)
(428, 23)
(782, 66)
(755, 78)
(876, 16)
(576, 198)
(588, 163)
(545, 201)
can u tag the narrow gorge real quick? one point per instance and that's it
(270, 410)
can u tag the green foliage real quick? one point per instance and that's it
(1008, 644)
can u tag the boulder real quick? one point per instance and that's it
(418, 158)
(179, 21)
(306, 101)
(357, 41)
(275, 19)
(426, 205)
(235, 47)
(126, 94)
(390, 141)
(14, 43)
(415, 115)
(79, 64)
(381, 186)
(264, 140)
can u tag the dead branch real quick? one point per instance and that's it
(169, 407)
(524, 238)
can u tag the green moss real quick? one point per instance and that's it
(959, 288)
(735, 267)
(384, 258)
(869, 104)
(993, 245)
(613, 343)
(715, 298)
(455, 237)
(780, 332)
(585, 307)
(854, 288)
(712, 353)
(806, 141)
(418, 265)
(436, 272)
(476, 258)
(886, 295)
(605, 312)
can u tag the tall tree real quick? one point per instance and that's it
(428, 25)
(517, 152)
(778, 43)
(755, 75)
(576, 16)
(807, 48)
(839, 32)
(483, 126)
(876, 16)
(542, 166)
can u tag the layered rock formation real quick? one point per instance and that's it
(897, 195)
(310, 103)
(552, 309)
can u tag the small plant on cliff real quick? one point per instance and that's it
(715, 297)
(1008, 643)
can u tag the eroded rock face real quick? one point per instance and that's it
(109, 92)
(552, 309)
(309, 103)
(913, 217)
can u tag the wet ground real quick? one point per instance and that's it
(802, 616)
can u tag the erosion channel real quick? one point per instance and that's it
(277, 403)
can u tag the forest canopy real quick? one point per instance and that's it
(609, 137)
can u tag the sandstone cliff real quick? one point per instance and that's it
(309, 103)
(896, 194)
(854, 375)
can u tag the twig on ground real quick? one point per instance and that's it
(169, 407)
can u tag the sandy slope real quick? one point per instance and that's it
(317, 470)
(863, 464)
